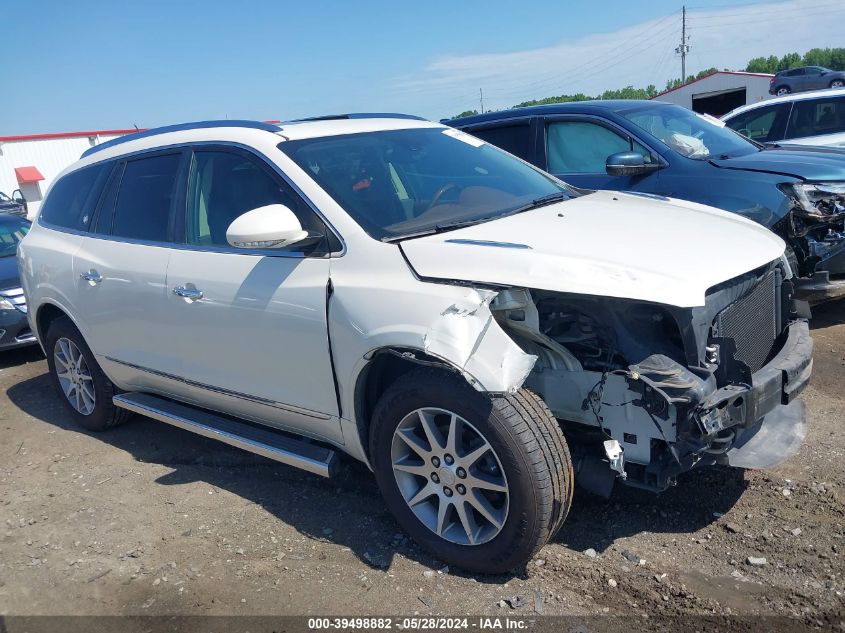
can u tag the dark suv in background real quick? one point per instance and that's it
(662, 149)
(805, 78)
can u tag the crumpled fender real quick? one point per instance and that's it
(468, 337)
(453, 324)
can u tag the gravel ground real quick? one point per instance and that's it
(148, 520)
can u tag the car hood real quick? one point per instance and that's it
(807, 163)
(9, 276)
(606, 244)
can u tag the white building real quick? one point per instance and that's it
(720, 92)
(30, 163)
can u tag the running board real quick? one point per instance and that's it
(282, 448)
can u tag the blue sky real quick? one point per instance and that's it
(84, 65)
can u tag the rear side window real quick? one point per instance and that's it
(515, 139)
(760, 124)
(812, 117)
(74, 197)
(145, 198)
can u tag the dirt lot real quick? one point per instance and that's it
(148, 519)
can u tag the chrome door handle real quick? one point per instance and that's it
(190, 294)
(92, 277)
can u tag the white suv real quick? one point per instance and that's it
(806, 118)
(473, 329)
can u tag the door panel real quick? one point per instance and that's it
(121, 281)
(246, 331)
(259, 332)
(122, 311)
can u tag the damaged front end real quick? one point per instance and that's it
(650, 391)
(815, 230)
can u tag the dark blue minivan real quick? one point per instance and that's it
(664, 149)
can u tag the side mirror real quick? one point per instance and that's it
(273, 226)
(626, 164)
(17, 196)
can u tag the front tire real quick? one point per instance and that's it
(837, 83)
(483, 482)
(82, 386)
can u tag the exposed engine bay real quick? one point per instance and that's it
(660, 389)
(815, 231)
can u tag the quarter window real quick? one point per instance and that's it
(812, 117)
(145, 198)
(756, 124)
(224, 186)
(515, 139)
(74, 197)
(579, 147)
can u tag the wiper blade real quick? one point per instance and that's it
(534, 204)
(437, 228)
(450, 226)
(542, 201)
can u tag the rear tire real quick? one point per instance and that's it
(781, 91)
(527, 462)
(82, 386)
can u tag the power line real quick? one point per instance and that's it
(554, 78)
(580, 72)
(719, 16)
(766, 20)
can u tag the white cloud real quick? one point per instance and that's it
(638, 55)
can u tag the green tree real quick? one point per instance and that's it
(833, 58)
(465, 113)
(763, 65)
(790, 60)
(559, 99)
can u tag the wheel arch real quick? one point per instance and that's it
(46, 313)
(385, 366)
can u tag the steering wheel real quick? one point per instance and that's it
(447, 187)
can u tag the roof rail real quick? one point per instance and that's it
(359, 115)
(197, 125)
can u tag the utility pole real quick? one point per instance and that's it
(481, 98)
(683, 48)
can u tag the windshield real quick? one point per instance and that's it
(12, 231)
(400, 183)
(690, 134)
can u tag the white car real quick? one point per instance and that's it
(473, 329)
(804, 118)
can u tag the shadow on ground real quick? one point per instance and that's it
(348, 510)
(828, 314)
(700, 497)
(20, 356)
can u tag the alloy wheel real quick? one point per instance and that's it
(75, 378)
(450, 476)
